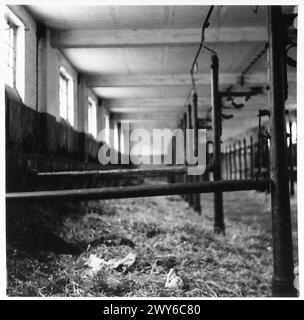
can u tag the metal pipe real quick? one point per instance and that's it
(184, 127)
(136, 191)
(119, 173)
(196, 196)
(230, 162)
(240, 160)
(283, 264)
(251, 158)
(245, 158)
(119, 141)
(226, 163)
(234, 162)
(292, 187)
(189, 126)
(219, 226)
(205, 25)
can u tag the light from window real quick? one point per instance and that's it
(115, 136)
(107, 129)
(10, 53)
(92, 117)
(66, 96)
(122, 142)
(294, 132)
(14, 52)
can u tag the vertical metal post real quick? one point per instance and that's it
(226, 163)
(234, 162)
(206, 174)
(230, 162)
(291, 177)
(283, 275)
(184, 126)
(240, 160)
(219, 226)
(119, 141)
(260, 149)
(172, 179)
(251, 158)
(196, 196)
(189, 126)
(245, 159)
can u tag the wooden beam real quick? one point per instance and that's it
(155, 37)
(172, 80)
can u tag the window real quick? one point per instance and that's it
(115, 136)
(107, 129)
(14, 52)
(92, 123)
(294, 132)
(122, 142)
(10, 53)
(66, 96)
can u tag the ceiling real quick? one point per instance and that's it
(138, 58)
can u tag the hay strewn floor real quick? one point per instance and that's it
(166, 232)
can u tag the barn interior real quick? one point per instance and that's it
(77, 77)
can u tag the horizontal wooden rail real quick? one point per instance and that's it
(136, 191)
(124, 173)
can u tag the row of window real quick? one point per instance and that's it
(14, 58)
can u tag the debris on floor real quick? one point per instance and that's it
(167, 235)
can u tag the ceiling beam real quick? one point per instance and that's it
(156, 37)
(151, 102)
(169, 80)
(168, 109)
(159, 116)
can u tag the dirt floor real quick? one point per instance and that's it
(48, 248)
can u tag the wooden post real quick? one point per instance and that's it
(245, 159)
(219, 226)
(283, 264)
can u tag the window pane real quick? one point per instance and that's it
(63, 96)
(92, 118)
(70, 100)
(9, 54)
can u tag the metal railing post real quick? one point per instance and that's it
(283, 264)
(219, 226)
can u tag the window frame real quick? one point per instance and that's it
(12, 47)
(69, 105)
(92, 117)
(107, 129)
(19, 52)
